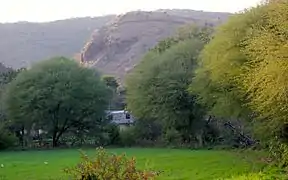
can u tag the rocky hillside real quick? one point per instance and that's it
(24, 43)
(117, 47)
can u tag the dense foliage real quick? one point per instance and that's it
(7, 137)
(157, 88)
(118, 95)
(109, 166)
(242, 73)
(57, 95)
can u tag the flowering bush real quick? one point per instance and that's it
(106, 166)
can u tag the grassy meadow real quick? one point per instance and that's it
(175, 164)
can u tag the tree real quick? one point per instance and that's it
(7, 128)
(242, 72)
(191, 31)
(265, 78)
(220, 66)
(57, 95)
(5, 78)
(117, 101)
(157, 88)
(265, 75)
(111, 82)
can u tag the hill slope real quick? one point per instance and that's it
(24, 43)
(117, 47)
(4, 69)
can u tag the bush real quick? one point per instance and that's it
(107, 166)
(148, 129)
(128, 137)
(270, 173)
(113, 134)
(279, 152)
(172, 138)
(6, 139)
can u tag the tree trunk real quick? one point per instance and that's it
(29, 138)
(22, 137)
(54, 139)
(55, 142)
(200, 139)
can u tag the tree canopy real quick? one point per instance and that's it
(220, 66)
(243, 70)
(111, 82)
(158, 87)
(57, 95)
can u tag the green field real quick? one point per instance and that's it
(175, 164)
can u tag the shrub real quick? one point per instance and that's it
(279, 152)
(113, 134)
(128, 137)
(147, 129)
(6, 139)
(106, 166)
(270, 173)
(172, 137)
(260, 176)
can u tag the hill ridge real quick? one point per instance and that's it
(119, 45)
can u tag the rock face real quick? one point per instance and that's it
(117, 47)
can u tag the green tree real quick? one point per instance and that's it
(7, 128)
(157, 88)
(7, 138)
(57, 95)
(117, 101)
(192, 31)
(111, 82)
(8, 76)
(5, 78)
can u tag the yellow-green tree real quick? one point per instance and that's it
(265, 75)
(220, 66)
(243, 71)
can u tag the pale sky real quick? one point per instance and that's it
(49, 10)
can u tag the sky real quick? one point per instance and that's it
(49, 10)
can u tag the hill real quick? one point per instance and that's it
(4, 69)
(118, 46)
(24, 43)
(113, 44)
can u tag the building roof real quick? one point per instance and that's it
(121, 117)
(116, 112)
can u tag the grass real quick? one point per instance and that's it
(175, 164)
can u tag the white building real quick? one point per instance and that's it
(122, 118)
